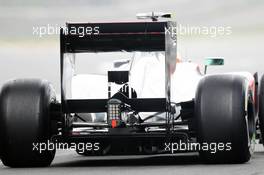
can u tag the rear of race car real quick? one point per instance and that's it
(142, 104)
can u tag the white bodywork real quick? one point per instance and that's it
(147, 77)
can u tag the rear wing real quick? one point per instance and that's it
(111, 37)
(103, 37)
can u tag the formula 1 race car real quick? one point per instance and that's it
(146, 101)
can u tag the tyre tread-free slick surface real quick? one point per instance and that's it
(225, 114)
(24, 120)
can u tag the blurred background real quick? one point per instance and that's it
(23, 53)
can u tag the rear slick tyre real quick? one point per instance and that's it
(24, 120)
(224, 112)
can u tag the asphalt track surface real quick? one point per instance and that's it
(68, 162)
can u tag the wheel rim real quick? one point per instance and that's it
(250, 124)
